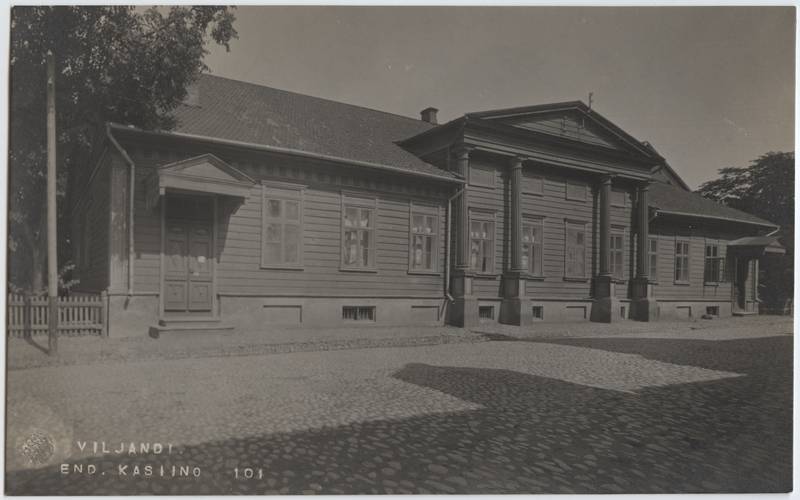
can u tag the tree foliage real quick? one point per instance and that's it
(121, 64)
(764, 188)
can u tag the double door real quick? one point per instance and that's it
(188, 273)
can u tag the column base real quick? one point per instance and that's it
(644, 309)
(463, 312)
(644, 306)
(605, 308)
(516, 311)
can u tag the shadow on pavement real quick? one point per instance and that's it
(533, 435)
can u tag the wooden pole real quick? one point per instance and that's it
(52, 264)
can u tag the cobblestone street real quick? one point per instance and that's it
(519, 415)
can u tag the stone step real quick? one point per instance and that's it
(745, 313)
(189, 326)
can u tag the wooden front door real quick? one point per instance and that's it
(742, 267)
(188, 278)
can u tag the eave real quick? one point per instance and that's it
(445, 177)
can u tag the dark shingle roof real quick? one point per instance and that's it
(250, 113)
(669, 198)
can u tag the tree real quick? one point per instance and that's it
(120, 64)
(764, 188)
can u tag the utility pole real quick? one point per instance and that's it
(52, 264)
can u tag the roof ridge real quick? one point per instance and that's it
(415, 120)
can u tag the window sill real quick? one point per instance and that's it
(486, 276)
(358, 269)
(483, 186)
(533, 277)
(576, 279)
(712, 283)
(681, 283)
(422, 272)
(274, 267)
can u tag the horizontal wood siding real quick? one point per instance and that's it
(239, 249)
(239, 270)
(696, 289)
(491, 202)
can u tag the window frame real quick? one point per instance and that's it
(721, 266)
(284, 192)
(617, 274)
(580, 184)
(652, 259)
(489, 218)
(678, 279)
(533, 221)
(583, 227)
(526, 184)
(622, 193)
(359, 202)
(424, 210)
(473, 181)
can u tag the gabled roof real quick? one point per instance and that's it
(578, 108)
(243, 112)
(675, 200)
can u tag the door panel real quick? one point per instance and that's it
(200, 289)
(188, 276)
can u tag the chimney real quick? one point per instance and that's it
(429, 115)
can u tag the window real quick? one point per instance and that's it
(424, 240)
(712, 310)
(576, 191)
(714, 268)
(532, 247)
(575, 266)
(481, 245)
(538, 312)
(486, 312)
(652, 258)
(282, 223)
(358, 236)
(532, 184)
(618, 198)
(358, 313)
(616, 255)
(481, 176)
(682, 261)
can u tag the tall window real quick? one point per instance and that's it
(282, 234)
(575, 265)
(714, 269)
(652, 258)
(424, 240)
(481, 245)
(617, 255)
(358, 237)
(682, 261)
(532, 246)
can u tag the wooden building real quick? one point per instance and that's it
(265, 207)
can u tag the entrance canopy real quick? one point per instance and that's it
(757, 246)
(200, 174)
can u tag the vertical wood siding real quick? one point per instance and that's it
(90, 228)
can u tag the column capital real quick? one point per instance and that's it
(461, 151)
(644, 185)
(607, 178)
(516, 161)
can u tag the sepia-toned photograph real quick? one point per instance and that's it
(345, 250)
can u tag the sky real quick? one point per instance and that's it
(708, 87)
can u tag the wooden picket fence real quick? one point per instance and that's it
(77, 315)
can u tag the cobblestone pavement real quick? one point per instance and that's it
(566, 415)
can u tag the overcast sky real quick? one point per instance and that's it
(708, 87)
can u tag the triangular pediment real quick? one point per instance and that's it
(201, 174)
(207, 167)
(572, 121)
